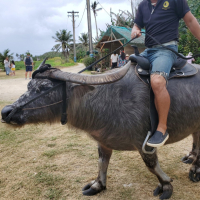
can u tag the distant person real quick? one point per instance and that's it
(7, 66)
(121, 59)
(12, 68)
(114, 59)
(190, 60)
(127, 58)
(28, 62)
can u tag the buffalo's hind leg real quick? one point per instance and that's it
(192, 156)
(99, 184)
(164, 189)
(194, 173)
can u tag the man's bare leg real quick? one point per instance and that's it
(162, 103)
(26, 75)
(162, 100)
(30, 74)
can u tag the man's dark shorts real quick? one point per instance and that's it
(114, 65)
(29, 68)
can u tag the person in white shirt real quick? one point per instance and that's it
(7, 66)
(12, 68)
(113, 60)
(190, 60)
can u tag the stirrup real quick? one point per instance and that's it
(145, 143)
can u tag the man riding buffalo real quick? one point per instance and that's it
(161, 20)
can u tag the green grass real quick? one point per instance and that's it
(54, 62)
(47, 179)
(50, 153)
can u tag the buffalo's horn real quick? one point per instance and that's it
(91, 79)
(43, 62)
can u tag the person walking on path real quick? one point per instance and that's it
(121, 59)
(190, 60)
(12, 68)
(160, 18)
(113, 60)
(28, 62)
(7, 66)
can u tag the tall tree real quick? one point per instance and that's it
(123, 18)
(4, 55)
(63, 38)
(84, 39)
(94, 9)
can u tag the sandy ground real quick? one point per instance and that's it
(12, 89)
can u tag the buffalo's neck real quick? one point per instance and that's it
(117, 108)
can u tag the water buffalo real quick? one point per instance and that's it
(115, 114)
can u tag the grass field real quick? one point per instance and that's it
(45, 162)
(52, 162)
(54, 62)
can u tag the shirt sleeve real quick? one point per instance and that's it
(181, 8)
(139, 18)
(31, 59)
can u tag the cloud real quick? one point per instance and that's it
(30, 25)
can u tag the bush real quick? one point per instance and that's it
(197, 60)
(88, 61)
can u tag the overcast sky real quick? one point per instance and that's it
(30, 24)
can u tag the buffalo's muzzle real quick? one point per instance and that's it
(5, 112)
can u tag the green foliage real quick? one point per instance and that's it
(187, 42)
(63, 38)
(84, 39)
(88, 61)
(51, 54)
(54, 62)
(4, 55)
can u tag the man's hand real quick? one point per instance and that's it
(136, 32)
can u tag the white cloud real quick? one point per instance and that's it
(30, 25)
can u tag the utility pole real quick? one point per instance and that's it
(73, 21)
(132, 8)
(89, 28)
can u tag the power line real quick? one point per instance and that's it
(103, 8)
(82, 17)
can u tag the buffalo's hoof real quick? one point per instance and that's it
(194, 174)
(92, 189)
(187, 160)
(165, 191)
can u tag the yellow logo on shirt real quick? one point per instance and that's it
(166, 5)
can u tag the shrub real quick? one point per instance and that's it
(88, 61)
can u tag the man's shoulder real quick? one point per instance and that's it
(144, 2)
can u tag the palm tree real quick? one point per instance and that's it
(84, 39)
(94, 6)
(4, 55)
(63, 37)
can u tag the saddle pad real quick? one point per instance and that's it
(186, 71)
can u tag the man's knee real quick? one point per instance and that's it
(158, 82)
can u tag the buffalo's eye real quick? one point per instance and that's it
(37, 90)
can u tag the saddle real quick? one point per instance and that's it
(181, 68)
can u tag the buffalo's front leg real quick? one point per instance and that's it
(99, 184)
(164, 189)
(192, 156)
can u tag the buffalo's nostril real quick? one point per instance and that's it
(6, 111)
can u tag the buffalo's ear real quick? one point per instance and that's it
(81, 90)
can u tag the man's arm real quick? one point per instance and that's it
(136, 31)
(192, 23)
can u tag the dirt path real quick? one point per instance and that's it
(12, 89)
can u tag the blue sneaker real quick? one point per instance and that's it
(158, 139)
